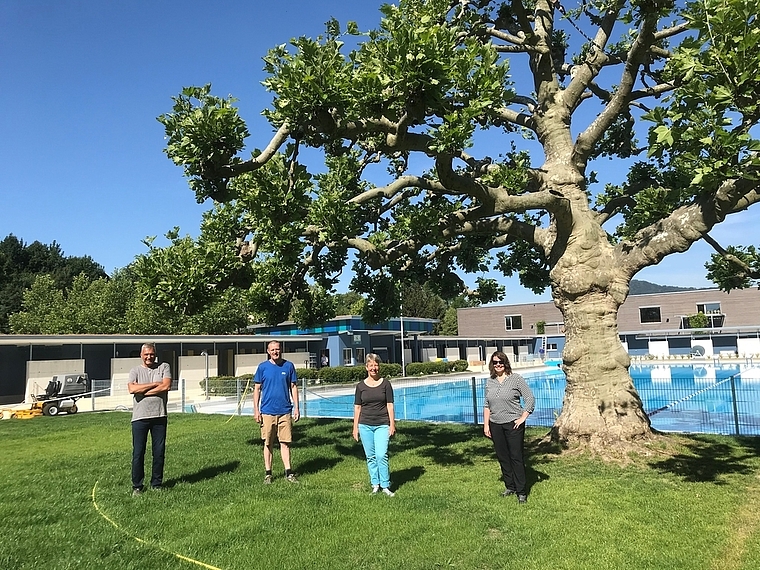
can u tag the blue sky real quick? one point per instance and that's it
(81, 85)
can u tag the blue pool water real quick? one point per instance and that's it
(700, 398)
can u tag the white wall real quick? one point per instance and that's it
(748, 346)
(120, 368)
(429, 355)
(659, 348)
(705, 343)
(248, 363)
(193, 370)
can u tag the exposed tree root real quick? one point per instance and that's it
(616, 450)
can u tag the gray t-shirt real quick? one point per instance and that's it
(146, 407)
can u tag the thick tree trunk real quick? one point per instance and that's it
(602, 410)
(601, 406)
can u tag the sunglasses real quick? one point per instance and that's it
(495, 362)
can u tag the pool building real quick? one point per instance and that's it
(658, 325)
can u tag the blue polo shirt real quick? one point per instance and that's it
(275, 380)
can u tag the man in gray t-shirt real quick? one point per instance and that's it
(149, 384)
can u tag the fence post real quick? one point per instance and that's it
(474, 401)
(240, 404)
(303, 383)
(182, 394)
(736, 408)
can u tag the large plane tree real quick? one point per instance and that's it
(462, 136)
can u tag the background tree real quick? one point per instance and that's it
(422, 301)
(426, 173)
(449, 325)
(86, 307)
(349, 303)
(21, 263)
(119, 305)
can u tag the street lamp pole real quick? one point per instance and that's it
(204, 353)
(403, 360)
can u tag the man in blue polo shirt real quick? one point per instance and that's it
(275, 406)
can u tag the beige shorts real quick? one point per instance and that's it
(279, 425)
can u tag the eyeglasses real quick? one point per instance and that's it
(497, 362)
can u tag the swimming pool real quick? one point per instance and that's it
(697, 398)
(694, 398)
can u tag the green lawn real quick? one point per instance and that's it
(66, 502)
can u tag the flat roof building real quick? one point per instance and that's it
(657, 323)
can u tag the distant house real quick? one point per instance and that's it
(658, 323)
(348, 339)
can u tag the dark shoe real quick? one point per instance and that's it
(292, 478)
(508, 493)
(137, 492)
(267, 479)
(522, 499)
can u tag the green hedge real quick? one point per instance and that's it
(225, 385)
(353, 374)
(307, 373)
(437, 367)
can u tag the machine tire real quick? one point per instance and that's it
(73, 409)
(50, 409)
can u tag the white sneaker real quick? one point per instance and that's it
(389, 492)
(375, 489)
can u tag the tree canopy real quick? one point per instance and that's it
(21, 263)
(462, 136)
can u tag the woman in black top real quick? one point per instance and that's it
(375, 423)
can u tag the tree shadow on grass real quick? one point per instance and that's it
(708, 458)
(534, 476)
(404, 476)
(442, 444)
(314, 432)
(316, 465)
(203, 474)
(356, 451)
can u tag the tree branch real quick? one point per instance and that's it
(637, 55)
(279, 138)
(743, 267)
(688, 224)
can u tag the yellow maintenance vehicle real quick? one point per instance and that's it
(60, 396)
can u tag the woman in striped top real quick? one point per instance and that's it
(504, 422)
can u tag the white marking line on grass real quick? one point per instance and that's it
(143, 541)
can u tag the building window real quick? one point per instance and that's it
(347, 357)
(716, 321)
(708, 308)
(513, 322)
(650, 315)
(360, 356)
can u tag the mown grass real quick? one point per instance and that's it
(695, 508)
